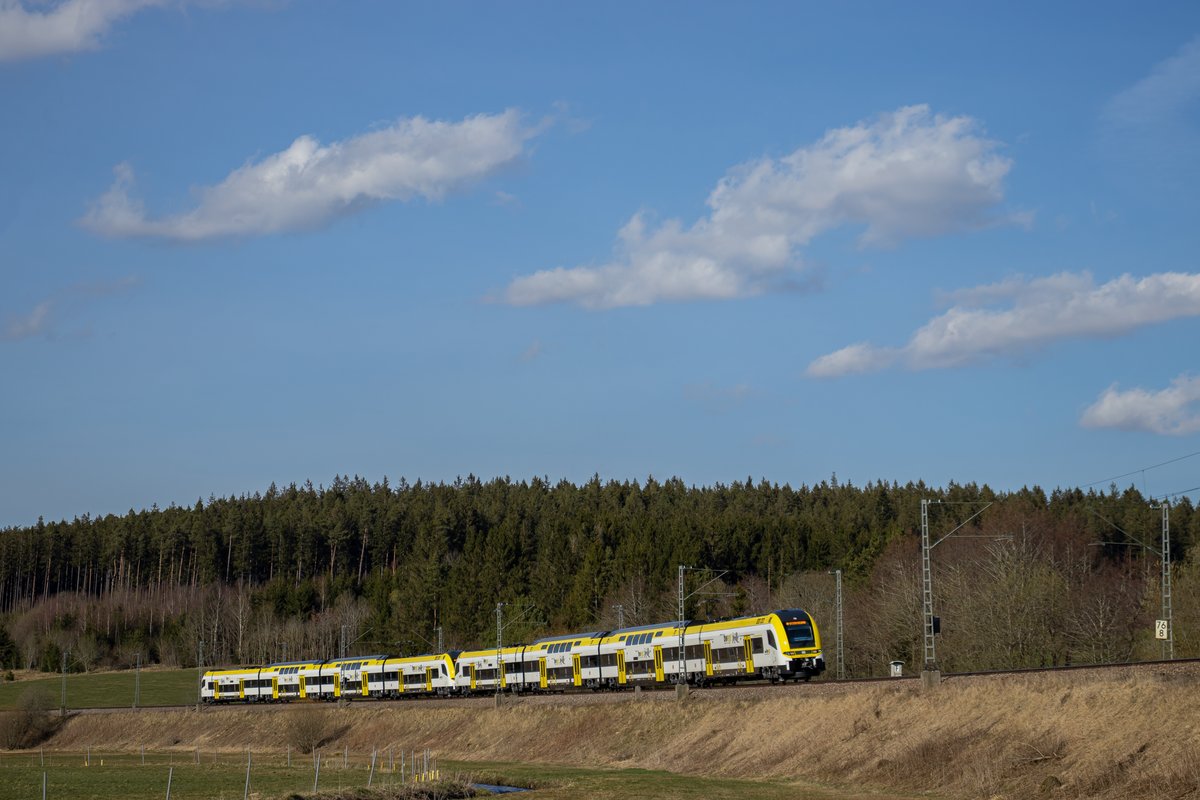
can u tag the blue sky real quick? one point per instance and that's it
(255, 242)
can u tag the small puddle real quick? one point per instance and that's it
(498, 789)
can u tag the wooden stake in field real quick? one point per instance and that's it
(371, 777)
(246, 791)
(170, 774)
(317, 774)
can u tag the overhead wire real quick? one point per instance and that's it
(1142, 471)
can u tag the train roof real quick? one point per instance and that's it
(564, 637)
(654, 626)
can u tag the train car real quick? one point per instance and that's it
(635, 656)
(564, 660)
(782, 645)
(416, 676)
(478, 670)
(229, 685)
(289, 679)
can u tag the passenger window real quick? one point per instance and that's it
(771, 639)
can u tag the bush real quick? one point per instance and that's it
(308, 728)
(30, 724)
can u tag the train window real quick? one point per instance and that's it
(756, 644)
(799, 633)
(771, 640)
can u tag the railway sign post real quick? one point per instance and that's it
(1164, 627)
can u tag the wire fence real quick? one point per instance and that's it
(193, 773)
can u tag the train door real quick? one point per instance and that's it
(429, 679)
(242, 688)
(542, 672)
(708, 665)
(274, 687)
(216, 689)
(748, 645)
(303, 688)
(366, 690)
(658, 664)
(621, 667)
(472, 676)
(577, 673)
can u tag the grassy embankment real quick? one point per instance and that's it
(1070, 735)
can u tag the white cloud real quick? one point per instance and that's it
(308, 184)
(1170, 87)
(65, 27)
(850, 360)
(1174, 411)
(1038, 312)
(908, 173)
(64, 303)
(26, 326)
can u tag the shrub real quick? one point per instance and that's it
(30, 723)
(308, 728)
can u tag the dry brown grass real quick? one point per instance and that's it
(1068, 735)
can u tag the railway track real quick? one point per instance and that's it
(1189, 667)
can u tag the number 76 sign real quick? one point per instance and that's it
(1160, 629)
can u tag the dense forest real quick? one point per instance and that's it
(357, 567)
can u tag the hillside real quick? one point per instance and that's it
(365, 568)
(1104, 734)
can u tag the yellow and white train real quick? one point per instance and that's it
(777, 646)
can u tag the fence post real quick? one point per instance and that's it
(371, 778)
(170, 773)
(246, 791)
(317, 774)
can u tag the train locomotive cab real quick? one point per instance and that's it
(799, 644)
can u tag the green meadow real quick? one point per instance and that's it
(125, 777)
(108, 689)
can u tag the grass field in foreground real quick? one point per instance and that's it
(109, 689)
(123, 777)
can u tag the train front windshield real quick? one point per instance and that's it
(799, 633)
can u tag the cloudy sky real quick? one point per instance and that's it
(256, 242)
